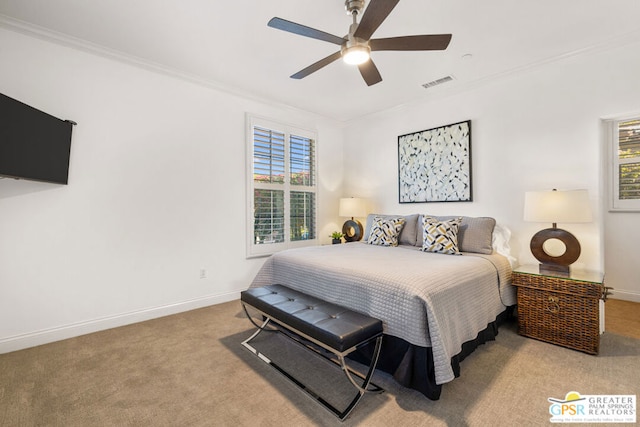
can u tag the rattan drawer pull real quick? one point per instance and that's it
(553, 306)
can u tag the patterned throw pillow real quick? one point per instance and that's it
(440, 236)
(385, 231)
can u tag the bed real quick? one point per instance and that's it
(437, 306)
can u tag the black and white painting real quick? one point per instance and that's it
(434, 165)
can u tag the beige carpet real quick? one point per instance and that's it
(190, 370)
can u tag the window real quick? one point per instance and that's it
(625, 164)
(282, 187)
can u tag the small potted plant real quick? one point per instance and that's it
(336, 237)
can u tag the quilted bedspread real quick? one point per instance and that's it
(428, 299)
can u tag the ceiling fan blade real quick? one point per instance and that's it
(316, 66)
(370, 73)
(303, 30)
(374, 14)
(427, 42)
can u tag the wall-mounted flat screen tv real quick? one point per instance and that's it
(33, 144)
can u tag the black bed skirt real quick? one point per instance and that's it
(412, 365)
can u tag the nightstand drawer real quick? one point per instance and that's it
(559, 285)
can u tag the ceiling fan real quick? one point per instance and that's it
(355, 47)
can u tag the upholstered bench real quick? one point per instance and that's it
(329, 326)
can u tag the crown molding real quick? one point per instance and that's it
(48, 35)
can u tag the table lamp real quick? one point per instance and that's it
(556, 206)
(352, 207)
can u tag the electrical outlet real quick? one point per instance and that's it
(203, 273)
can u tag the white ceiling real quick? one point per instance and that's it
(228, 44)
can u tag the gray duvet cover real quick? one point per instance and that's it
(428, 299)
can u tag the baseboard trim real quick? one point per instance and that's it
(625, 295)
(32, 339)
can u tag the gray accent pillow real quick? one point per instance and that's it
(408, 234)
(474, 234)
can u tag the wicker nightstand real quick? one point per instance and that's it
(560, 310)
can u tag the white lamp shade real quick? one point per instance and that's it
(352, 207)
(557, 206)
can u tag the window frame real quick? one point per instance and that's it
(615, 203)
(254, 250)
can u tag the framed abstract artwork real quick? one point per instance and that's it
(434, 165)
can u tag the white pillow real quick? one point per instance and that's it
(500, 242)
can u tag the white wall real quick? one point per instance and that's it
(156, 192)
(621, 231)
(157, 184)
(535, 130)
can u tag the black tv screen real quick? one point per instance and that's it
(33, 145)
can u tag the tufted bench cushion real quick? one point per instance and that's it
(335, 326)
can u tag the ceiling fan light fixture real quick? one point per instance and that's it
(356, 46)
(356, 55)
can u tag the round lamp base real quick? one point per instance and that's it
(352, 230)
(553, 263)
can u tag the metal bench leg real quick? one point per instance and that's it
(372, 367)
(261, 328)
(362, 389)
(365, 386)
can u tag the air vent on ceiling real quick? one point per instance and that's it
(437, 82)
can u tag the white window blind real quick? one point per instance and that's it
(282, 185)
(625, 170)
